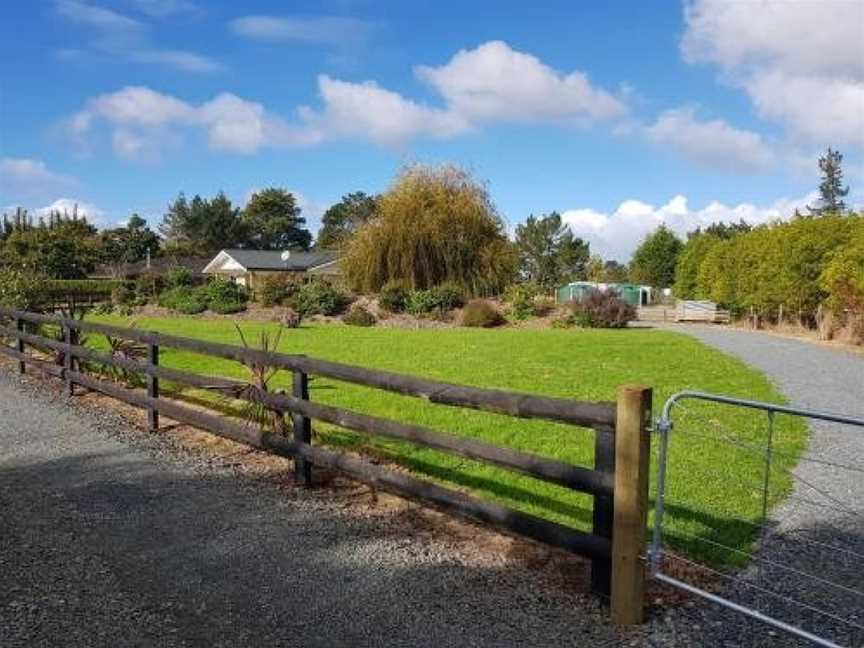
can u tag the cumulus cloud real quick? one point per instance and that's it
(27, 178)
(518, 88)
(497, 83)
(617, 234)
(801, 63)
(369, 111)
(141, 120)
(714, 144)
(333, 31)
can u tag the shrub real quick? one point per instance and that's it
(359, 316)
(192, 305)
(19, 289)
(171, 298)
(421, 302)
(481, 313)
(448, 295)
(602, 310)
(393, 296)
(226, 307)
(520, 300)
(225, 292)
(276, 291)
(179, 276)
(319, 297)
(148, 286)
(124, 295)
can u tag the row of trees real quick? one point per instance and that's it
(796, 265)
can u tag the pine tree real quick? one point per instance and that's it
(831, 189)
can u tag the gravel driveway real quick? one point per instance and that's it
(108, 540)
(810, 534)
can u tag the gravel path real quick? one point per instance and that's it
(821, 378)
(109, 538)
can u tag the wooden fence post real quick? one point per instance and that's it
(302, 429)
(604, 461)
(67, 360)
(153, 387)
(19, 324)
(632, 464)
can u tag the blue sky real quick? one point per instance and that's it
(620, 115)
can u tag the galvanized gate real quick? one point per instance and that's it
(782, 541)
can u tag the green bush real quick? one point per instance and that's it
(319, 297)
(225, 292)
(226, 307)
(124, 295)
(179, 276)
(481, 313)
(449, 295)
(21, 290)
(191, 305)
(393, 296)
(520, 300)
(421, 302)
(148, 286)
(359, 316)
(276, 291)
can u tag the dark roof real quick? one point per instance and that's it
(267, 260)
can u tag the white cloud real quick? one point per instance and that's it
(337, 32)
(714, 144)
(142, 120)
(801, 63)
(70, 206)
(26, 178)
(617, 234)
(369, 111)
(95, 16)
(497, 83)
(124, 37)
(179, 60)
(517, 88)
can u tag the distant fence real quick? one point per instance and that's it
(618, 481)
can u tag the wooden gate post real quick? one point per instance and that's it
(67, 360)
(153, 387)
(19, 324)
(302, 429)
(632, 464)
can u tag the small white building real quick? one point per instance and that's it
(251, 267)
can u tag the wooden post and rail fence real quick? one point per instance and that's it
(618, 481)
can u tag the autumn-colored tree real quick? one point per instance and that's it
(434, 224)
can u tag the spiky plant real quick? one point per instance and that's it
(125, 350)
(260, 376)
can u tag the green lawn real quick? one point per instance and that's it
(712, 485)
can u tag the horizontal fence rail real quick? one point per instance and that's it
(606, 419)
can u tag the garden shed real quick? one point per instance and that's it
(629, 292)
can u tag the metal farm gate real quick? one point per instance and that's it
(770, 527)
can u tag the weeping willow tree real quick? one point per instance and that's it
(435, 224)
